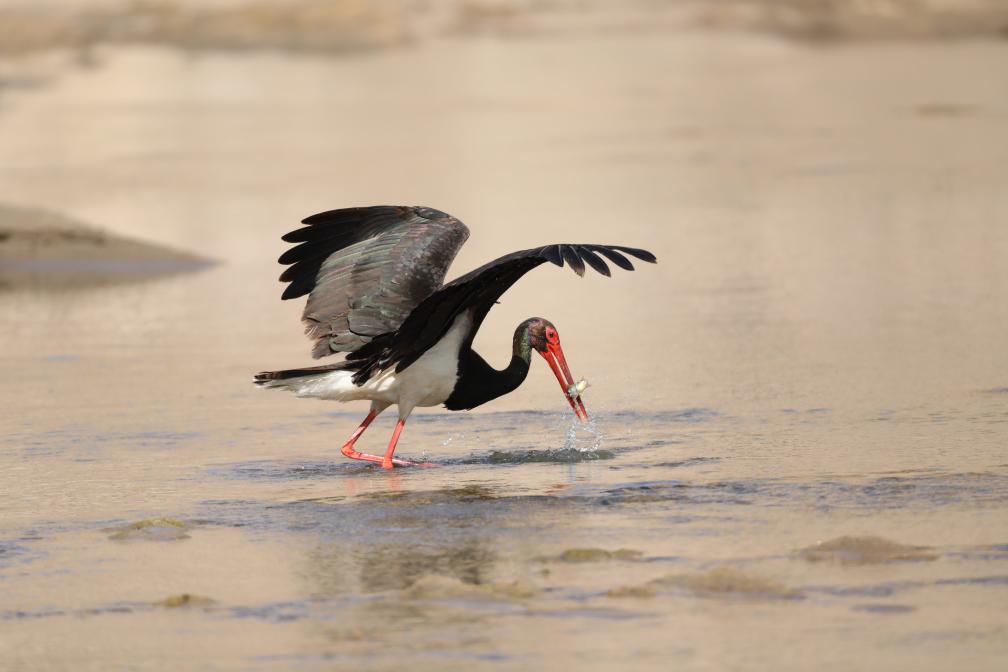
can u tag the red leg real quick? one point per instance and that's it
(348, 447)
(390, 451)
(388, 461)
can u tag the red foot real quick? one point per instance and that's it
(385, 463)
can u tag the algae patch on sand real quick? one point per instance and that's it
(184, 600)
(151, 529)
(728, 581)
(598, 554)
(852, 550)
(644, 591)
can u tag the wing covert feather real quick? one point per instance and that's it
(366, 269)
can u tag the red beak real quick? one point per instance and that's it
(554, 356)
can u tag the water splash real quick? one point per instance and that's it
(455, 436)
(583, 437)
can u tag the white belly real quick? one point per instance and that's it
(428, 381)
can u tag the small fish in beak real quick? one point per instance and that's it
(575, 389)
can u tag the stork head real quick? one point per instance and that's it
(540, 335)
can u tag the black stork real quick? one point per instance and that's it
(373, 276)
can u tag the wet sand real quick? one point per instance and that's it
(44, 250)
(798, 453)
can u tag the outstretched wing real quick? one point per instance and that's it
(365, 269)
(478, 290)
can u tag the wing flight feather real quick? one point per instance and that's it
(365, 269)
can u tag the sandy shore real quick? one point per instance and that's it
(44, 249)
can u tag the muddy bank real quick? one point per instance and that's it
(353, 25)
(300, 24)
(43, 249)
(826, 20)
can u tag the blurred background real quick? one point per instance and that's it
(822, 181)
(797, 156)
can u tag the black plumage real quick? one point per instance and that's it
(373, 277)
(477, 290)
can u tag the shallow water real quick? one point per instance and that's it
(817, 356)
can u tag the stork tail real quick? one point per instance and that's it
(283, 379)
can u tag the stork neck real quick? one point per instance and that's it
(479, 382)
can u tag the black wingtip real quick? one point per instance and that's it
(643, 255)
(612, 255)
(332, 216)
(593, 260)
(571, 256)
(297, 288)
(353, 216)
(292, 255)
(312, 220)
(552, 254)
